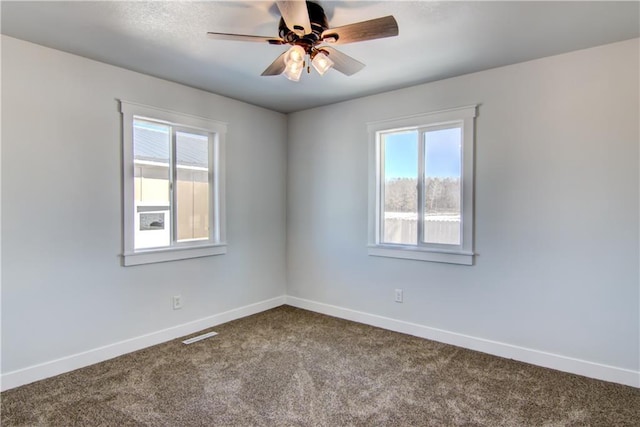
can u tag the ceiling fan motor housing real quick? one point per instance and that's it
(319, 23)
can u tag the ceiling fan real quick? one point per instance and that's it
(304, 26)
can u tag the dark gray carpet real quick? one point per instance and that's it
(290, 367)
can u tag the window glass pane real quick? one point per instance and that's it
(192, 189)
(400, 177)
(151, 148)
(442, 176)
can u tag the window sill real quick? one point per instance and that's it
(421, 254)
(172, 254)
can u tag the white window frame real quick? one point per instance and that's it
(454, 254)
(216, 243)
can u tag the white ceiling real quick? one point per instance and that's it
(437, 40)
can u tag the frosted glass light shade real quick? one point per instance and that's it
(294, 60)
(321, 63)
(294, 54)
(293, 71)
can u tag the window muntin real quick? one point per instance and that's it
(173, 170)
(421, 187)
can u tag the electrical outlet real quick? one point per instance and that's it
(398, 295)
(177, 302)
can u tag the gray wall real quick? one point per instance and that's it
(556, 209)
(63, 288)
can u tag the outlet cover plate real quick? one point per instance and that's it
(177, 302)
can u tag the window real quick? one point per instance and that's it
(421, 187)
(173, 174)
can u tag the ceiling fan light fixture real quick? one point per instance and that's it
(321, 63)
(304, 26)
(294, 60)
(295, 55)
(293, 71)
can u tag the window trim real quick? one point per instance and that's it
(216, 244)
(462, 254)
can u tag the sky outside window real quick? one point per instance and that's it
(442, 154)
(401, 155)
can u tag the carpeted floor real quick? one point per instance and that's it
(290, 367)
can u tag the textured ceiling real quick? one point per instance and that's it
(437, 40)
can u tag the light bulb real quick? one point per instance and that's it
(321, 63)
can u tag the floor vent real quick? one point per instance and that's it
(199, 338)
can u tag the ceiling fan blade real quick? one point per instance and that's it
(343, 62)
(360, 31)
(295, 15)
(276, 67)
(245, 38)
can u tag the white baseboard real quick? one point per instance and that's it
(548, 360)
(69, 363)
(522, 354)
